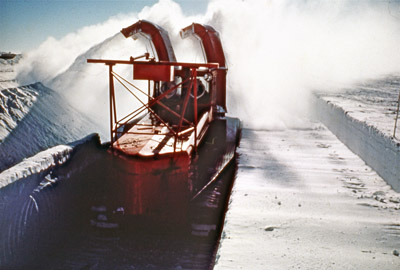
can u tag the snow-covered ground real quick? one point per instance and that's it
(302, 200)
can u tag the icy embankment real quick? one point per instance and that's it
(363, 118)
(42, 161)
(41, 196)
(34, 118)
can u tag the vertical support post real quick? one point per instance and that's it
(194, 73)
(112, 105)
(148, 93)
(221, 87)
(185, 103)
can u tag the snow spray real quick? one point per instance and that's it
(278, 52)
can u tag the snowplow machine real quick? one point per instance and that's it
(179, 140)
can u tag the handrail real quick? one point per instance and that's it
(152, 98)
(115, 124)
(175, 64)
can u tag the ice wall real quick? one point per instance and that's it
(378, 150)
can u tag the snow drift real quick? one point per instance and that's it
(34, 118)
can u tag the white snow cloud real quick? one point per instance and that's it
(277, 51)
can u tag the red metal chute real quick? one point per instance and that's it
(156, 35)
(209, 40)
(214, 53)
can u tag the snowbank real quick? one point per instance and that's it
(15, 103)
(34, 118)
(368, 139)
(42, 161)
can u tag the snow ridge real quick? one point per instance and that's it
(53, 156)
(15, 103)
(34, 118)
(45, 160)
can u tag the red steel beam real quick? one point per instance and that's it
(176, 64)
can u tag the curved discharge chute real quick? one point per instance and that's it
(157, 36)
(210, 42)
(214, 53)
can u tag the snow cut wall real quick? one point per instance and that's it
(378, 151)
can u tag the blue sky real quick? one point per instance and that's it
(25, 24)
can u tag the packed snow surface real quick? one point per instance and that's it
(302, 200)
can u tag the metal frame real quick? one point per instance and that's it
(115, 123)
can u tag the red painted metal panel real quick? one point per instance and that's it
(154, 72)
(152, 186)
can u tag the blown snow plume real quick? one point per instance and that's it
(278, 52)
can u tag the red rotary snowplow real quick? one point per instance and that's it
(161, 142)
